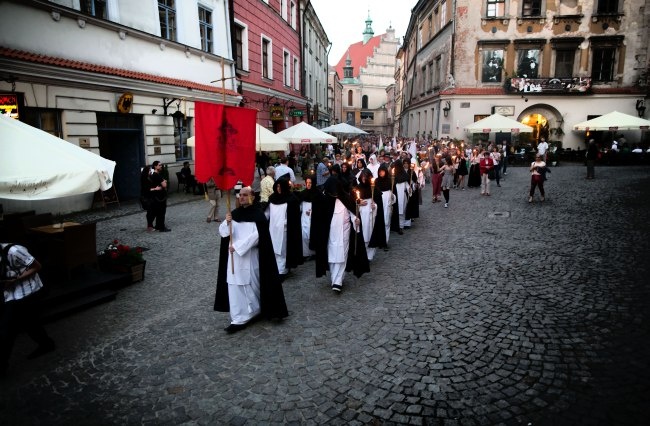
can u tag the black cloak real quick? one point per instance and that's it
(413, 205)
(321, 221)
(294, 233)
(400, 176)
(272, 301)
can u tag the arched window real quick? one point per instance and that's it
(364, 102)
(349, 97)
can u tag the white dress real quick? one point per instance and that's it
(244, 282)
(368, 216)
(338, 242)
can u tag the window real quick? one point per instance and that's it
(531, 8)
(367, 115)
(283, 9)
(496, 8)
(528, 63)
(608, 6)
(181, 133)
(433, 82)
(492, 65)
(205, 27)
(364, 102)
(438, 71)
(349, 97)
(48, 120)
(267, 55)
(167, 15)
(96, 8)
(564, 59)
(296, 74)
(241, 46)
(602, 66)
(420, 36)
(423, 81)
(287, 68)
(443, 14)
(292, 14)
(430, 25)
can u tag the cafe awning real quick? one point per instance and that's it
(35, 165)
(303, 133)
(613, 121)
(498, 123)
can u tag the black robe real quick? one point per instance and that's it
(321, 221)
(294, 231)
(400, 177)
(272, 301)
(413, 204)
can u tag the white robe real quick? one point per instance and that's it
(368, 216)
(305, 224)
(244, 282)
(386, 197)
(338, 242)
(277, 215)
(402, 199)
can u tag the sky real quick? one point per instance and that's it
(344, 20)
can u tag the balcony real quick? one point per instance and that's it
(545, 86)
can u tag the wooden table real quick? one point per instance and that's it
(54, 228)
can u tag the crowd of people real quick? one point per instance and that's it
(355, 196)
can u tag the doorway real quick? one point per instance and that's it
(121, 140)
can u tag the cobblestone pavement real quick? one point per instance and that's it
(493, 311)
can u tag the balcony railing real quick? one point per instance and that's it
(574, 85)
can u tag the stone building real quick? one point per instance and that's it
(334, 96)
(548, 64)
(368, 68)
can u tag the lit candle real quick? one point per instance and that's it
(356, 239)
(392, 179)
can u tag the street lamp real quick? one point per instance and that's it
(446, 108)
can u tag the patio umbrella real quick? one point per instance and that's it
(498, 123)
(36, 165)
(266, 140)
(613, 121)
(303, 133)
(344, 128)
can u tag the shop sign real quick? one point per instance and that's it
(9, 105)
(296, 113)
(277, 113)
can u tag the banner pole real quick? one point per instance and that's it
(223, 81)
(232, 259)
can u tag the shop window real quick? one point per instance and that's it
(167, 16)
(367, 115)
(495, 8)
(205, 28)
(96, 8)
(48, 120)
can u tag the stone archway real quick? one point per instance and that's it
(546, 121)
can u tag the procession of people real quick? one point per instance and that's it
(354, 197)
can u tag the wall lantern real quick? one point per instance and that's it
(446, 109)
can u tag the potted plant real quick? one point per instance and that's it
(118, 257)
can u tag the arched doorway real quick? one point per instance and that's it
(546, 122)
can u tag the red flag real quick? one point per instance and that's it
(225, 144)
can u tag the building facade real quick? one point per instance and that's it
(118, 78)
(548, 64)
(368, 68)
(334, 96)
(316, 46)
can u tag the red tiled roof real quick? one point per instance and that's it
(101, 69)
(474, 91)
(359, 53)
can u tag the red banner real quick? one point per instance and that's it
(225, 144)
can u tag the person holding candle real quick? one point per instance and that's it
(371, 211)
(486, 164)
(436, 178)
(383, 185)
(413, 204)
(283, 213)
(254, 286)
(447, 171)
(307, 199)
(373, 165)
(334, 238)
(400, 189)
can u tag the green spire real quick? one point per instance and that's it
(368, 33)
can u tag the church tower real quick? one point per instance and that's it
(368, 33)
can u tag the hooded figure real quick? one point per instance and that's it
(307, 199)
(283, 213)
(359, 166)
(401, 192)
(250, 285)
(371, 211)
(373, 166)
(338, 245)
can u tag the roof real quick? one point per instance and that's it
(359, 53)
(102, 69)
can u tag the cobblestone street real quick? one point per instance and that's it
(492, 311)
